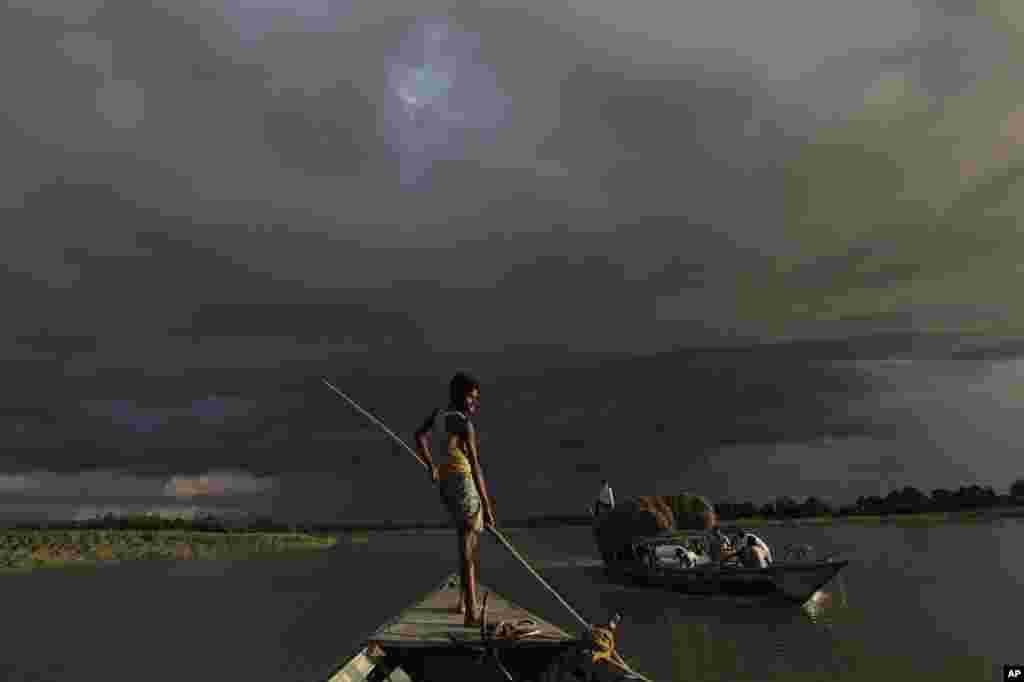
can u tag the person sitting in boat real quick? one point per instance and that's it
(605, 499)
(753, 554)
(645, 555)
(720, 549)
(765, 549)
(462, 486)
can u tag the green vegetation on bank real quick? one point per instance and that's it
(902, 519)
(941, 505)
(205, 523)
(24, 549)
(91, 544)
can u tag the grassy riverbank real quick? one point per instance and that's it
(29, 549)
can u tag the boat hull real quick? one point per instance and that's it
(427, 643)
(791, 581)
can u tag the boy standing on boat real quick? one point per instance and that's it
(462, 486)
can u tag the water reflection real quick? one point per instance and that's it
(894, 613)
(674, 636)
(828, 605)
(892, 628)
(758, 642)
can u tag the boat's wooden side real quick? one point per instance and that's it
(428, 642)
(792, 581)
(366, 664)
(433, 622)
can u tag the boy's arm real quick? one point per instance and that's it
(423, 444)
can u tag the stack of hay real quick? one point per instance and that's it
(647, 516)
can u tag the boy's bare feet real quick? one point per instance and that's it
(472, 620)
(461, 608)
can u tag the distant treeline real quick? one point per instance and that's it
(908, 500)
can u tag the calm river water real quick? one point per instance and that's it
(936, 603)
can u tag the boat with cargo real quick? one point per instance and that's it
(673, 542)
(680, 562)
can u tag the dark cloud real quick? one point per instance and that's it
(207, 206)
(321, 146)
(633, 420)
(62, 346)
(301, 321)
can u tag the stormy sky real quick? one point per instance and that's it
(749, 248)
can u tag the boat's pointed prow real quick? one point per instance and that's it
(368, 664)
(800, 582)
(428, 641)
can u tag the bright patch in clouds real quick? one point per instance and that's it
(440, 93)
(215, 484)
(17, 483)
(89, 494)
(423, 86)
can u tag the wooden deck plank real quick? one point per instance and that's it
(434, 621)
